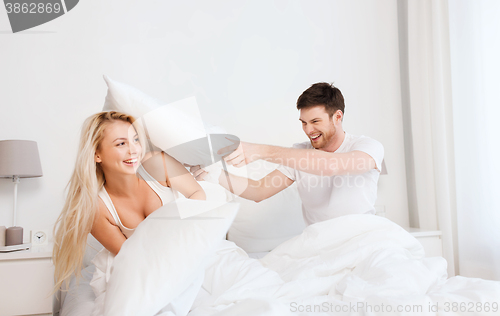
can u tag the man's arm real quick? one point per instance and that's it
(255, 190)
(312, 161)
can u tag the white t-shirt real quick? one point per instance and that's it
(326, 197)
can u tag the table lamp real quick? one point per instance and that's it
(18, 159)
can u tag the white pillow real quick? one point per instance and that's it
(124, 98)
(176, 128)
(214, 192)
(262, 226)
(164, 256)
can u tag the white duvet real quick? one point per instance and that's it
(351, 265)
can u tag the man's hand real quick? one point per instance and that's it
(244, 154)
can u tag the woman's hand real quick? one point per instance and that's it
(197, 172)
(210, 174)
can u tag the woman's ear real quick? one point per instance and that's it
(97, 158)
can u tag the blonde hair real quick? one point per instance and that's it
(81, 207)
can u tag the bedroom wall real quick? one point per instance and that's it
(246, 62)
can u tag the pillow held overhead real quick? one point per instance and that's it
(175, 128)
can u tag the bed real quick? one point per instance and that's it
(355, 264)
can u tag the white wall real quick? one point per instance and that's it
(246, 62)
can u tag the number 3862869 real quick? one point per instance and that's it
(33, 7)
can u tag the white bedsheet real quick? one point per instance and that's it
(355, 264)
(351, 265)
(79, 299)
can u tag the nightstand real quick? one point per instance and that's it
(430, 239)
(26, 281)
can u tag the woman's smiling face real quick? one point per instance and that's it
(120, 149)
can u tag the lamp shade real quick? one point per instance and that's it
(19, 158)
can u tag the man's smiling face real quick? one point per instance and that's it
(318, 126)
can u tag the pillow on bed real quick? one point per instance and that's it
(262, 226)
(164, 257)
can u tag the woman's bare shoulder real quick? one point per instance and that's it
(102, 210)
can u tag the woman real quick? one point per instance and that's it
(115, 185)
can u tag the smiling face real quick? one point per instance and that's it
(120, 149)
(321, 129)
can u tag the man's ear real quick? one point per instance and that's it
(338, 116)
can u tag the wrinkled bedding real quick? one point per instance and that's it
(350, 265)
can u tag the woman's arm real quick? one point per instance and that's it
(182, 180)
(109, 235)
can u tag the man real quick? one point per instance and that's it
(336, 172)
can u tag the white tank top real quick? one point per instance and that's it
(166, 195)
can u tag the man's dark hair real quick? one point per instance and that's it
(322, 93)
